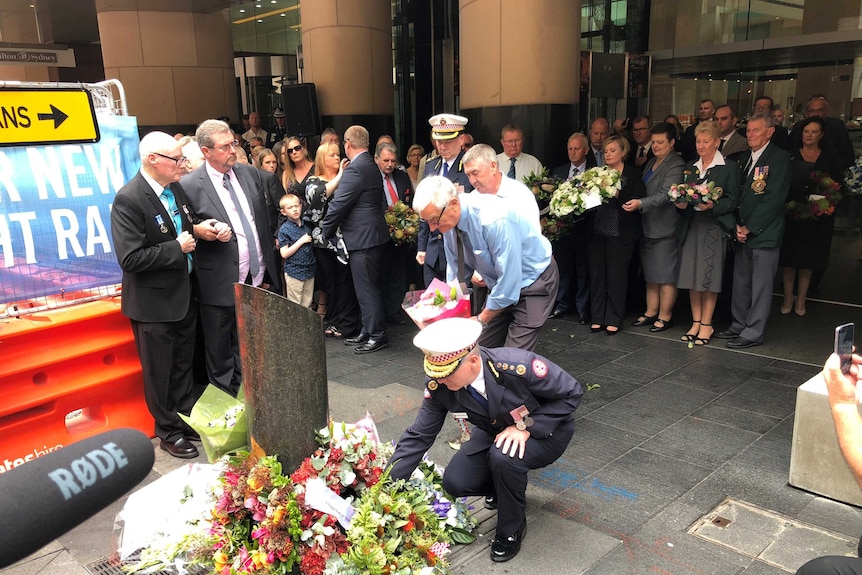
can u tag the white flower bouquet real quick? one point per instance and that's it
(585, 191)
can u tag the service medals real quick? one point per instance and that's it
(188, 215)
(522, 418)
(161, 223)
(758, 186)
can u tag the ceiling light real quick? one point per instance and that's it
(260, 21)
(282, 14)
(242, 10)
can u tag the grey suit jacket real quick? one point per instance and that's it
(217, 263)
(736, 144)
(659, 214)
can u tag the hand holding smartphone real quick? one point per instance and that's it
(844, 336)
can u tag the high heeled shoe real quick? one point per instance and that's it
(703, 340)
(595, 328)
(689, 337)
(645, 320)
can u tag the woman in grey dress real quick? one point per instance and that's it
(703, 230)
(659, 249)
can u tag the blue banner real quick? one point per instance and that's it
(55, 212)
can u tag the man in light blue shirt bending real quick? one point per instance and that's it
(511, 257)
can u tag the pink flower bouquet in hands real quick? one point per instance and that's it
(439, 301)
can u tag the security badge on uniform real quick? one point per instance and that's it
(759, 183)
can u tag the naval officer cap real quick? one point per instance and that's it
(446, 126)
(445, 343)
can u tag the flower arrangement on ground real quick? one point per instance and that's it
(337, 514)
(824, 195)
(853, 177)
(694, 193)
(585, 191)
(403, 223)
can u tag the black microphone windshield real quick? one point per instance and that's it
(48, 496)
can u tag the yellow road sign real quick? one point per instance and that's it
(46, 116)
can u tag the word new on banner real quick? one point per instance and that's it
(55, 212)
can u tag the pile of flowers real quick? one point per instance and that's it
(824, 193)
(585, 191)
(853, 177)
(693, 193)
(403, 223)
(337, 514)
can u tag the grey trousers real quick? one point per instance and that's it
(751, 300)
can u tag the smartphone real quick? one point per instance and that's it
(844, 336)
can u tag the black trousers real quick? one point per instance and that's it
(366, 267)
(221, 344)
(342, 309)
(480, 468)
(166, 350)
(572, 255)
(609, 265)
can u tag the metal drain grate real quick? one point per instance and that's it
(767, 536)
(112, 565)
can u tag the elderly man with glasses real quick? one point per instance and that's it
(501, 240)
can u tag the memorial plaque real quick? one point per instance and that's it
(284, 374)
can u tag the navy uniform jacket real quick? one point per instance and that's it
(432, 242)
(513, 378)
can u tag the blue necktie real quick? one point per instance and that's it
(511, 173)
(171, 205)
(445, 169)
(253, 258)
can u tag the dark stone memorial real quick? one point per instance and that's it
(284, 374)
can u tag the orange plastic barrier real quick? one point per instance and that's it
(65, 375)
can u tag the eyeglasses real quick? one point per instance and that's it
(295, 148)
(178, 161)
(512, 142)
(436, 221)
(227, 147)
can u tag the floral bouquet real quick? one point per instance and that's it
(403, 223)
(585, 191)
(555, 228)
(819, 204)
(260, 521)
(542, 185)
(694, 193)
(439, 301)
(853, 177)
(220, 420)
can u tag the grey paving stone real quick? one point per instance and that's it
(662, 356)
(383, 373)
(350, 404)
(630, 373)
(564, 334)
(575, 547)
(799, 544)
(761, 568)
(607, 508)
(834, 516)
(652, 408)
(778, 372)
(581, 358)
(706, 374)
(600, 390)
(737, 417)
(700, 442)
(761, 396)
(770, 452)
(595, 444)
(642, 472)
(783, 430)
(751, 483)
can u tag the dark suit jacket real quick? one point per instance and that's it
(633, 156)
(357, 206)
(217, 263)
(629, 222)
(723, 211)
(432, 243)
(592, 162)
(274, 192)
(155, 269)
(547, 391)
(836, 138)
(736, 145)
(403, 186)
(763, 213)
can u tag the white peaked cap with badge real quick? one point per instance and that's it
(445, 343)
(446, 126)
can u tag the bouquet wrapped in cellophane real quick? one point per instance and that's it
(439, 301)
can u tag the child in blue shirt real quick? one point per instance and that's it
(294, 243)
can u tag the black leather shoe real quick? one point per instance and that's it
(664, 325)
(191, 435)
(357, 339)
(371, 346)
(490, 502)
(180, 448)
(505, 549)
(558, 313)
(726, 334)
(584, 320)
(645, 320)
(741, 343)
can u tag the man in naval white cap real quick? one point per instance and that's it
(522, 407)
(447, 131)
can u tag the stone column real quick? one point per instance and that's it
(176, 67)
(519, 62)
(347, 53)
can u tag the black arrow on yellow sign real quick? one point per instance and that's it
(57, 115)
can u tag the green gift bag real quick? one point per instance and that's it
(220, 419)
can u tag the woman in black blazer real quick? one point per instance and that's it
(615, 235)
